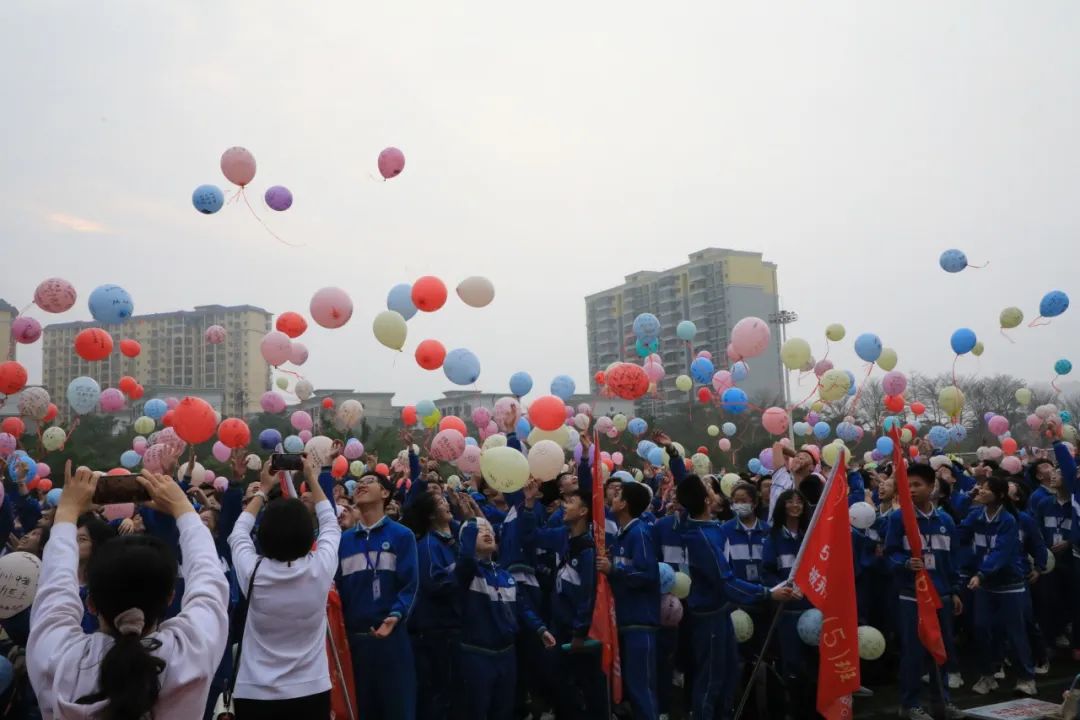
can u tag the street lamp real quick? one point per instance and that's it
(783, 318)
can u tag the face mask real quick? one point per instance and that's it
(743, 510)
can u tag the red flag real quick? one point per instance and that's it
(604, 629)
(925, 593)
(825, 573)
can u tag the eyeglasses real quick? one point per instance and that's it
(367, 481)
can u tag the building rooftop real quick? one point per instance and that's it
(7, 307)
(644, 276)
(199, 310)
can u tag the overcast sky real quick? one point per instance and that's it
(553, 148)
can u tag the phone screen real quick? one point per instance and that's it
(286, 461)
(119, 489)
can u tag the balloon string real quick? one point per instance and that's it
(296, 375)
(265, 227)
(858, 392)
(979, 267)
(1036, 323)
(1053, 384)
(816, 388)
(1006, 336)
(955, 360)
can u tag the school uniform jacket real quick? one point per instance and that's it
(938, 531)
(377, 574)
(635, 577)
(714, 582)
(997, 549)
(744, 548)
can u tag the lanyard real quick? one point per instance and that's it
(376, 584)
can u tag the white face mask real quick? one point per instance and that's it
(743, 510)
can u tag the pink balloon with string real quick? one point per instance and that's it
(238, 165)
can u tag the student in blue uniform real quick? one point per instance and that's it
(377, 581)
(492, 614)
(998, 585)
(876, 591)
(1067, 466)
(744, 547)
(1032, 566)
(714, 588)
(1054, 517)
(938, 533)
(635, 583)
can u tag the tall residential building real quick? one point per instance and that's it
(714, 290)
(8, 313)
(175, 355)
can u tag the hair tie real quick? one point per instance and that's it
(130, 622)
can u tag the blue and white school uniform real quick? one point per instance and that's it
(635, 583)
(778, 557)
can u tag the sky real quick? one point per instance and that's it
(553, 149)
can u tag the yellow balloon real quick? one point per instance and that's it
(887, 359)
(1069, 433)
(619, 421)
(681, 587)
(728, 483)
(495, 441)
(700, 463)
(356, 468)
(433, 419)
(54, 437)
(684, 383)
(144, 425)
(978, 349)
(713, 431)
(795, 353)
(830, 454)
(390, 329)
(834, 385)
(951, 400)
(1023, 396)
(558, 436)
(1011, 317)
(817, 406)
(835, 332)
(504, 469)
(282, 382)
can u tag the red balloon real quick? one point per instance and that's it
(703, 450)
(918, 408)
(93, 344)
(599, 377)
(913, 451)
(408, 415)
(382, 469)
(688, 465)
(894, 403)
(428, 293)
(628, 381)
(547, 413)
(44, 484)
(130, 348)
(119, 471)
(13, 426)
(127, 384)
(12, 377)
(291, 323)
(453, 422)
(50, 414)
(340, 467)
(167, 418)
(234, 433)
(703, 395)
(328, 403)
(194, 420)
(33, 484)
(1008, 446)
(137, 392)
(430, 354)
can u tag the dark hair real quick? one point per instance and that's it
(811, 488)
(99, 530)
(132, 571)
(923, 472)
(748, 488)
(1022, 495)
(779, 515)
(549, 491)
(285, 531)
(992, 464)
(585, 497)
(999, 486)
(691, 494)
(1041, 461)
(418, 514)
(637, 497)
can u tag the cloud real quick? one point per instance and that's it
(78, 224)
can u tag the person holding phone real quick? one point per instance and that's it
(139, 663)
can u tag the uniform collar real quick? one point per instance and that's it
(627, 526)
(368, 530)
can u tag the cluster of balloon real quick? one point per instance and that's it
(238, 167)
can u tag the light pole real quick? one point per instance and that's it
(782, 318)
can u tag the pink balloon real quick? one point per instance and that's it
(7, 444)
(448, 445)
(569, 412)
(1034, 421)
(724, 444)
(504, 410)
(995, 453)
(469, 460)
(391, 162)
(732, 356)
(298, 355)
(612, 433)
(238, 165)
(654, 371)
(111, 400)
(617, 458)
(300, 420)
(43, 470)
(55, 295)
(481, 416)
(304, 435)
(354, 449)
(272, 402)
(25, 329)
(775, 420)
(655, 357)
(750, 337)
(139, 444)
(152, 458)
(822, 367)
(490, 429)
(214, 335)
(584, 409)
(221, 484)
(998, 425)
(168, 438)
(221, 451)
(894, 383)
(605, 455)
(118, 511)
(671, 611)
(705, 354)
(1011, 465)
(786, 442)
(331, 307)
(604, 425)
(275, 347)
(721, 380)
(171, 402)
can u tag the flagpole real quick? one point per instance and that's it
(757, 662)
(841, 460)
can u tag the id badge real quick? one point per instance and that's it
(376, 588)
(751, 573)
(1058, 539)
(930, 561)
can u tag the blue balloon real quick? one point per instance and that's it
(962, 341)
(111, 304)
(868, 347)
(522, 428)
(293, 444)
(637, 426)
(521, 383)
(739, 371)
(269, 439)
(350, 487)
(1053, 304)
(1066, 416)
(52, 498)
(801, 428)
(470, 440)
(155, 408)
(733, 400)
(399, 299)
(729, 428)
(809, 626)
(851, 382)
(754, 466)
(646, 348)
(1063, 367)
(702, 370)
(20, 456)
(424, 408)
(563, 387)
(646, 326)
(847, 432)
(686, 330)
(938, 437)
(130, 458)
(644, 448)
(656, 456)
(821, 430)
(884, 446)
(667, 578)
(208, 199)
(461, 367)
(957, 433)
(953, 261)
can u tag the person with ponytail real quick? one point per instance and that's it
(138, 665)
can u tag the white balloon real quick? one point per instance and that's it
(253, 462)
(18, 582)
(476, 291)
(546, 460)
(304, 389)
(871, 643)
(862, 515)
(743, 625)
(197, 474)
(320, 448)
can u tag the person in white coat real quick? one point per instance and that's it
(137, 665)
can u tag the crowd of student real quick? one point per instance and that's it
(466, 602)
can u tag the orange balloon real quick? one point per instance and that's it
(1008, 446)
(913, 451)
(430, 354)
(12, 377)
(894, 403)
(51, 413)
(428, 293)
(382, 469)
(627, 380)
(13, 426)
(130, 348)
(340, 467)
(918, 408)
(127, 384)
(292, 324)
(547, 413)
(234, 433)
(599, 377)
(328, 403)
(45, 484)
(408, 415)
(453, 422)
(93, 344)
(167, 419)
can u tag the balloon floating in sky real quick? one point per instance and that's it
(238, 166)
(686, 330)
(646, 326)
(278, 198)
(399, 299)
(55, 295)
(750, 337)
(1053, 304)
(461, 367)
(868, 347)
(1011, 317)
(563, 387)
(391, 163)
(390, 329)
(93, 344)
(953, 261)
(428, 293)
(476, 291)
(331, 307)
(521, 383)
(215, 335)
(208, 199)
(963, 341)
(25, 329)
(130, 348)
(110, 304)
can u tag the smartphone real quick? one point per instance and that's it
(286, 461)
(119, 489)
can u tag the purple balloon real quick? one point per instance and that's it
(766, 458)
(278, 198)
